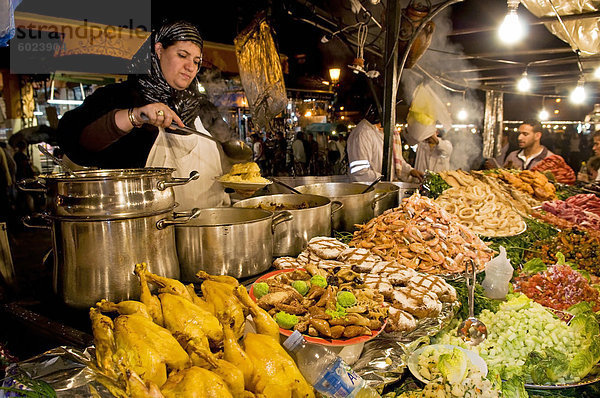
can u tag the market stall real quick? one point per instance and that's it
(388, 298)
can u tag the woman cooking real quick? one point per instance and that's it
(123, 125)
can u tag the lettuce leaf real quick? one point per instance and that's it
(534, 266)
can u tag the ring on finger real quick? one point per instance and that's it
(160, 112)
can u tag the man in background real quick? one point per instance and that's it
(365, 152)
(531, 152)
(433, 154)
(299, 154)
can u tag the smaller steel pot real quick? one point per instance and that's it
(390, 198)
(227, 241)
(406, 189)
(114, 193)
(315, 220)
(358, 207)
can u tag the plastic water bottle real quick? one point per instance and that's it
(498, 273)
(327, 372)
(583, 173)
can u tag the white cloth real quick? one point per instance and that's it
(365, 154)
(433, 159)
(187, 153)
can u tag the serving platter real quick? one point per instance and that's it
(244, 186)
(317, 340)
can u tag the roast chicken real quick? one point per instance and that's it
(275, 373)
(181, 345)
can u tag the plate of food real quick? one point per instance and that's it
(516, 233)
(431, 361)
(244, 177)
(325, 314)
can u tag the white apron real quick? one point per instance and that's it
(187, 153)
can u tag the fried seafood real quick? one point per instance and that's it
(422, 236)
(480, 210)
(532, 182)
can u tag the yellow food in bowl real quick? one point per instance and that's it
(245, 173)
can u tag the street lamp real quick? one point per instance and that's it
(334, 74)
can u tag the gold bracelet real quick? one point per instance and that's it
(132, 120)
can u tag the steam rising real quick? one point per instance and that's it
(467, 145)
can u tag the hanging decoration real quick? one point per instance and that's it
(412, 17)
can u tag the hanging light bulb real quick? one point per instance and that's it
(512, 30)
(578, 94)
(462, 115)
(543, 115)
(524, 85)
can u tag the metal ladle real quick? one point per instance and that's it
(472, 330)
(372, 184)
(235, 149)
(283, 184)
(56, 160)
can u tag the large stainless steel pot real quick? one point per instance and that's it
(358, 207)
(118, 193)
(390, 200)
(94, 259)
(227, 241)
(315, 220)
(104, 222)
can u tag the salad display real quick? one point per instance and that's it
(528, 341)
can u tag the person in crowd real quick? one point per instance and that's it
(532, 151)
(269, 153)
(333, 154)
(299, 154)
(593, 169)
(433, 153)
(574, 158)
(308, 137)
(365, 152)
(258, 151)
(123, 125)
(312, 154)
(590, 174)
(322, 157)
(279, 156)
(593, 166)
(25, 202)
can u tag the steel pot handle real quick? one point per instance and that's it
(23, 185)
(27, 219)
(188, 216)
(281, 217)
(173, 182)
(378, 196)
(338, 208)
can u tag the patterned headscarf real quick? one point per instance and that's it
(155, 88)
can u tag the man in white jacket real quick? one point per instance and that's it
(365, 153)
(433, 154)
